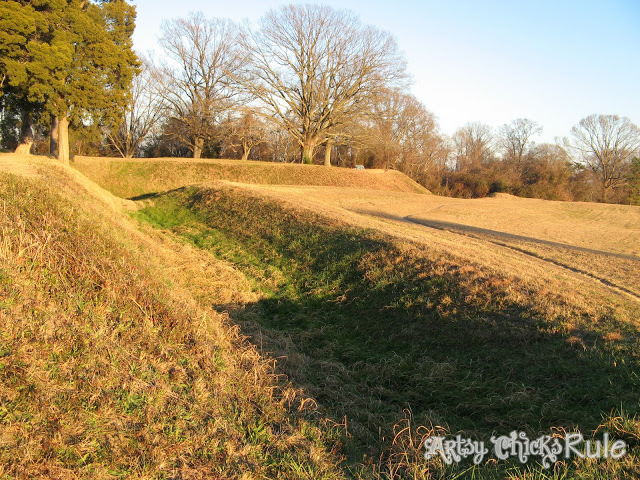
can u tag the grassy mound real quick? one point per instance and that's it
(114, 360)
(109, 369)
(397, 343)
(136, 177)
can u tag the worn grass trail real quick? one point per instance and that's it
(563, 255)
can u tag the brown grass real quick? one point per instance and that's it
(127, 368)
(388, 194)
(546, 266)
(492, 299)
(110, 368)
(575, 223)
(135, 177)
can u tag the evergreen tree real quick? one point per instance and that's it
(72, 57)
(17, 30)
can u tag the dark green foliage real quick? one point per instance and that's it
(17, 27)
(73, 58)
(9, 123)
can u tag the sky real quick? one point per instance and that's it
(553, 62)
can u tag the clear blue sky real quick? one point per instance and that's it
(492, 61)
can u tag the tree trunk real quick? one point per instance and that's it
(308, 149)
(26, 135)
(24, 147)
(246, 150)
(63, 139)
(327, 153)
(197, 148)
(53, 141)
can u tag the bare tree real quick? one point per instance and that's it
(473, 145)
(516, 138)
(283, 146)
(313, 67)
(405, 135)
(550, 154)
(139, 117)
(202, 58)
(545, 172)
(247, 131)
(605, 144)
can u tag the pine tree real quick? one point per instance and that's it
(74, 56)
(17, 27)
(17, 30)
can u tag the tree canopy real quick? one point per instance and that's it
(314, 68)
(196, 80)
(305, 79)
(606, 144)
(72, 59)
(634, 181)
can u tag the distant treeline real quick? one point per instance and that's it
(310, 84)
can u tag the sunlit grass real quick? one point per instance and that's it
(138, 177)
(114, 362)
(372, 328)
(105, 372)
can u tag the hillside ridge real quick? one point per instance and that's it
(367, 334)
(114, 362)
(128, 178)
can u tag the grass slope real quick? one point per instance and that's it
(601, 241)
(108, 366)
(136, 177)
(397, 343)
(574, 223)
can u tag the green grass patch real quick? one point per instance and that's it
(384, 335)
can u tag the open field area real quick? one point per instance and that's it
(381, 316)
(323, 308)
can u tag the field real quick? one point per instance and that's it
(381, 315)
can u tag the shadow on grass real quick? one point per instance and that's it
(415, 344)
(145, 196)
(492, 234)
(370, 329)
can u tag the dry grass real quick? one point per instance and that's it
(136, 177)
(574, 223)
(369, 323)
(579, 274)
(369, 314)
(110, 368)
